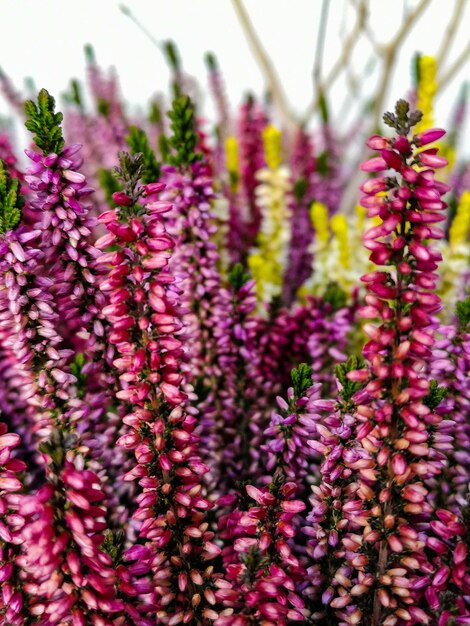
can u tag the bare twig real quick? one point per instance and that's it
(349, 44)
(452, 26)
(317, 66)
(390, 54)
(459, 62)
(267, 68)
(128, 13)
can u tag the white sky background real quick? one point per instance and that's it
(44, 40)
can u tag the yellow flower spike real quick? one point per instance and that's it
(427, 88)
(361, 214)
(460, 227)
(376, 220)
(272, 146)
(262, 272)
(319, 217)
(339, 226)
(231, 155)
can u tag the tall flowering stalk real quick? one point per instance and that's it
(262, 569)
(59, 191)
(233, 400)
(63, 567)
(450, 367)
(11, 523)
(396, 424)
(456, 252)
(219, 96)
(237, 220)
(299, 264)
(403, 300)
(144, 313)
(427, 87)
(250, 127)
(336, 506)
(192, 225)
(263, 564)
(59, 201)
(292, 424)
(267, 261)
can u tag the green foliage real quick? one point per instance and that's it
(462, 310)
(335, 296)
(129, 171)
(348, 387)
(416, 71)
(114, 543)
(301, 379)
(76, 369)
(435, 396)
(323, 106)
(184, 138)
(138, 142)
(300, 188)
(211, 61)
(402, 120)
(103, 106)
(74, 95)
(42, 120)
(108, 184)
(11, 201)
(172, 55)
(155, 114)
(322, 164)
(56, 447)
(237, 277)
(164, 147)
(89, 54)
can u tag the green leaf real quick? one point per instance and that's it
(322, 164)
(435, 395)
(301, 380)
(138, 142)
(335, 296)
(416, 69)
(237, 277)
(103, 106)
(184, 138)
(108, 184)
(211, 61)
(462, 311)
(130, 171)
(300, 188)
(11, 200)
(89, 54)
(45, 123)
(323, 105)
(348, 387)
(155, 115)
(172, 56)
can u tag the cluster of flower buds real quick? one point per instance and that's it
(11, 523)
(262, 569)
(144, 317)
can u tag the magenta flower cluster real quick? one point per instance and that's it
(173, 451)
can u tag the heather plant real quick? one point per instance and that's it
(196, 426)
